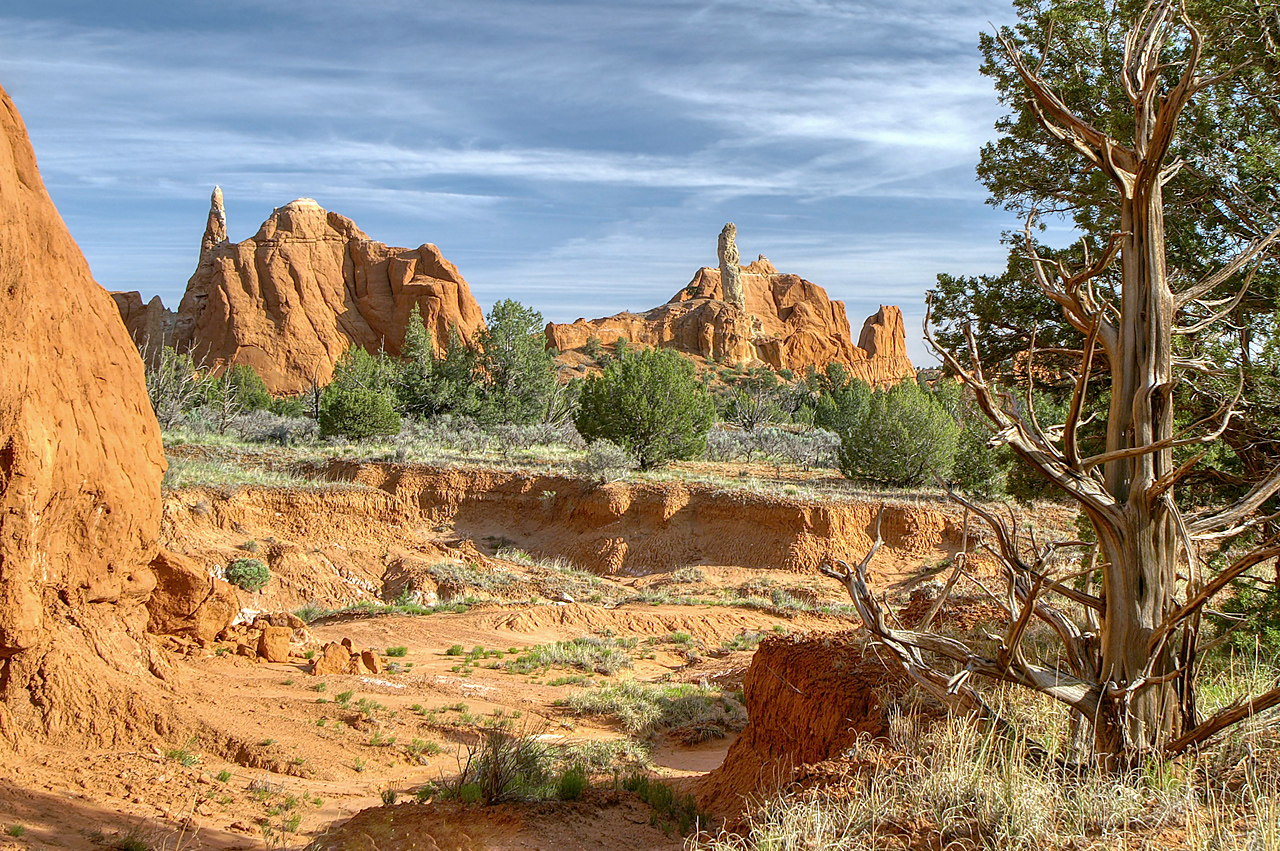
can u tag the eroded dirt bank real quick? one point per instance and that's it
(634, 528)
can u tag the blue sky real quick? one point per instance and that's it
(578, 156)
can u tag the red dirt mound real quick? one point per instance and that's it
(80, 469)
(808, 698)
(604, 820)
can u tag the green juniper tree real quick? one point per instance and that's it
(650, 403)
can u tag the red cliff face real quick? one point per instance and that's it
(787, 323)
(308, 286)
(80, 467)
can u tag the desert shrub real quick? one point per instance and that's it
(175, 386)
(356, 413)
(249, 388)
(906, 438)
(290, 406)
(397, 652)
(837, 400)
(754, 399)
(670, 809)
(518, 371)
(801, 447)
(605, 461)
(688, 574)
(649, 403)
(572, 783)
(452, 574)
(505, 765)
(1251, 617)
(513, 436)
(428, 384)
(264, 426)
(249, 574)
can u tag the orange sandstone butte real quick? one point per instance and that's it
(783, 321)
(291, 299)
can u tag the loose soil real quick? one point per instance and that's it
(266, 754)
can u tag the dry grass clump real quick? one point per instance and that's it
(695, 713)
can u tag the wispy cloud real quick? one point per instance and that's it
(578, 155)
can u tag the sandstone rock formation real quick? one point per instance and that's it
(188, 601)
(150, 325)
(730, 271)
(309, 285)
(786, 322)
(80, 469)
(273, 643)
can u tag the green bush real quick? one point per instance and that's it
(518, 370)
(906, 438)
(249, 388)
(356, 413)
(249, 574)
(1251, 616)
(651, 404)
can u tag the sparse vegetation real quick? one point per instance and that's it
(601, 655)
(694, 713)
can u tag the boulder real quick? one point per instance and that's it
(273, 643)
(309, 285)
(80, 468)
(188, 601)
(334, 659)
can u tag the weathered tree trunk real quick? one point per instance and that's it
(1139, 563)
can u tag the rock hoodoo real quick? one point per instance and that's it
(730, 271)
(295, 296)
(784, 321)
(80, 468)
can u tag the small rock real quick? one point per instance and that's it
(371, 661)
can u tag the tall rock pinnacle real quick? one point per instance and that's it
(730, 271)
(215, 231)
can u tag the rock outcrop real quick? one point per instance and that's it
(808, 699)
(80, 468)
(150, 324)
(308, 286)
(730, 271)
(784, 322)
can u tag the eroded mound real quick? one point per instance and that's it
(808, 697)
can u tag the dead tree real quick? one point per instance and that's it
(1130, 640)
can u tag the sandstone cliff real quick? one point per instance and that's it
(310, 284)
(80, 469)
(788, 322)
